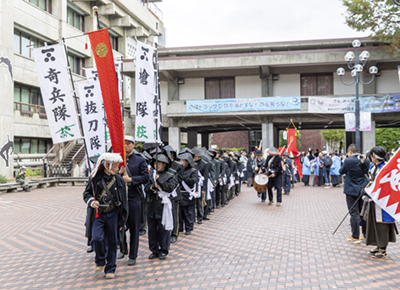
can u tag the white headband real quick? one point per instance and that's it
(377, 157)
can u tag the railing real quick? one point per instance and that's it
(30, 109)
(51, 150)
(73, 158)
(156, 11)
(57, 170)
(59, 150)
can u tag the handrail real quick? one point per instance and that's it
(76, 154)
(55, 158)
(51, 149)
(36, 108)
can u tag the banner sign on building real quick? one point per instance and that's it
(390, 103)
(146, 99)
(92, 116)
(55, 86)
(242, 105)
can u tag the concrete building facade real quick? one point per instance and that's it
(31, 23)
(262, 70)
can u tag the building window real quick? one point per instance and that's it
(76, 63)
(113, 37)
(23, 44)
(31, 146)
(220, 88)
(42, 4)
(28, 100)
(317, 84)
(75, 19)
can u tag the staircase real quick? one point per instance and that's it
(78, 158)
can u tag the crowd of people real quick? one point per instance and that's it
(163, 193)
(167, 192)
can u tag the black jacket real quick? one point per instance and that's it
(204, 168)
(355, 179)
(139, 173)
(98, 188)
(191, 178)
(178, 168)
(167, 182)
(276, 164)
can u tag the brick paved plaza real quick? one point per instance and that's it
(247, 245)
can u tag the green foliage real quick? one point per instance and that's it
(30, 172)
(283, 142)
(3, 179)
(333, 137)
(388, 138)
(380, 18)
(237, 150)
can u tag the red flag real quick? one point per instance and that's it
(292, 147)
(103, 55)
(385, 190)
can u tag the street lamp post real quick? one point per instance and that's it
(359, 62)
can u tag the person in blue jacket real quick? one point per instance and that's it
(381, 227)
(334, 172)
(306, 169)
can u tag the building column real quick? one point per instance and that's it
(205, 140)
(192, 139)
(267, 130)
(174, 138)
(350, 139)
(7, 90)
(368, 138)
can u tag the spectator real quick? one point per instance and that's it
(306, 169)
(336, 178)
(250, 172)
(244, 160)
(327, 163)
(318, 172)
(354, 182)
(20, 177)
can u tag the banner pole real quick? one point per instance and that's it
(76, 101)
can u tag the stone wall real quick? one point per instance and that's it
(237, 139)
(311, 139)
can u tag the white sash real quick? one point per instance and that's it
(232, 181)
(167, 220)
(200, 184)
(192, 191)
(144, 192)
(210, 188)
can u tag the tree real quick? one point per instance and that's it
(388, 138)
(379, 17)
(283, 142)
(333, 137)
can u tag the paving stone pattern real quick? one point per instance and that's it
(246, 245)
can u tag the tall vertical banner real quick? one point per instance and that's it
(55, 86)
(365, 121)
(92, 75)
(350, 122)
(102, 51)
(92, 116)
(145, 123)
(292, 147)
(385, 190)
(157, 100)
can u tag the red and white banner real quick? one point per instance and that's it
(385, 190)
(292, 148)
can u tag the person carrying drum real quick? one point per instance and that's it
(258, 167)
(273, 166)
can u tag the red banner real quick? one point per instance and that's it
(103, 55)
(292, 148)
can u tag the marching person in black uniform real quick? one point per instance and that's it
(105, 195)
(217, 172)
(178, 168)
(202, 167)
(233, 169)
(273, 166)
(135, 174)
(159, 208)
(143, 221)
(208, 156)
(287, 173)
(258, 166)
(188, 190)
(229, 180)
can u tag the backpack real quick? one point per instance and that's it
(328, 161)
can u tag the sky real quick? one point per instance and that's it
(213, 22)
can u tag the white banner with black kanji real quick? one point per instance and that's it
(146, 99)
(92, 117)
(55, 86)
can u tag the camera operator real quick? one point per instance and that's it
(354, 182)
(274, 172)
(381, 228)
